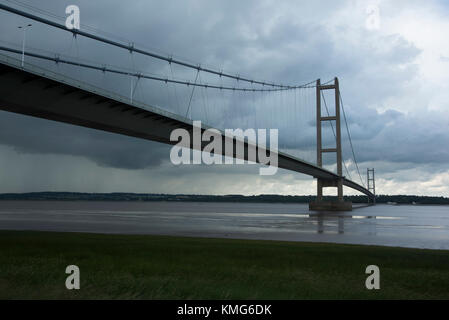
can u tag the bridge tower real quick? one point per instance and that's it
(319, 204)
(371, 183)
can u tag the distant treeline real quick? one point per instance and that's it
(73, 196)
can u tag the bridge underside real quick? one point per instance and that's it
(40, 93)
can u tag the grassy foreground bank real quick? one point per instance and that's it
(32, 266)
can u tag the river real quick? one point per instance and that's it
(413, 226)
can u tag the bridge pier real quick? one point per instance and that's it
(325, 205)
(330, 206)
(319, 204)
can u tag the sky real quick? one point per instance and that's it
(391, 58)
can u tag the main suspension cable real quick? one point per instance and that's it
(103, 68)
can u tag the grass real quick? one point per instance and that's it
(32, 266)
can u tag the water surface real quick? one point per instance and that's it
(405, 226)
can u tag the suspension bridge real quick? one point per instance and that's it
(50, 85)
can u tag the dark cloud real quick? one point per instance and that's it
(399, 137)
(263, 39)
(32, 135)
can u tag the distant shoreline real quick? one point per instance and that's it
(267, 198)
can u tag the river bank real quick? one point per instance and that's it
(32, 266)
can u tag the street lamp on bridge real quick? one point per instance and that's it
(24, 28)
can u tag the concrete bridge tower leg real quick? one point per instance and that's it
(319, 204)
(371, 184)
